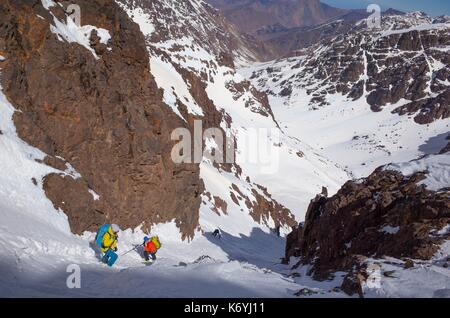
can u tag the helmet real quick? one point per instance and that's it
(115, 228)
(146, 239)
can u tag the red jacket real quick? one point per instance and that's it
(150, 247)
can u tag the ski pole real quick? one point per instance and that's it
(130, 250)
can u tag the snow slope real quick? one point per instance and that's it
(429, 279)
(348, 131)
(437, 168)
(36, 246)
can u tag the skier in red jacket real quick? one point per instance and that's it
(151, 246)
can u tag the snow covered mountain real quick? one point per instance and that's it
(367, 98)
(90, 114)
(382, 94)
(251, 16)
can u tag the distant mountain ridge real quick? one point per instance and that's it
(284, 42)
(250, 16)
(284, 26)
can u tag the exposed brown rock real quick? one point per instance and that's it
(428, 109)
(387, 214)
(352, 284)
(304, 292)
(105, 117)
(70, 195)
(220, 205)
(55, 162)
(263, 206)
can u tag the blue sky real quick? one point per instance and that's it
(432, 7)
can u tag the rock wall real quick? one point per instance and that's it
(104, 115)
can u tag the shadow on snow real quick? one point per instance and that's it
(261, 249)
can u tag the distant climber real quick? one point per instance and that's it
(217, 234)
(151, 246)
(278, 230)
(106, 239)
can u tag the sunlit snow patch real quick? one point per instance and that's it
(73, 33)
(47, 4)
(436, 167)
(141, 18)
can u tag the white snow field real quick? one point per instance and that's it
(436, 166)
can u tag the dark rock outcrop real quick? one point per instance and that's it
(387, 214)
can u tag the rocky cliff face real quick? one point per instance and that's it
(388, 214)
(86, 97)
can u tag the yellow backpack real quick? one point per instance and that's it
(156, 241)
